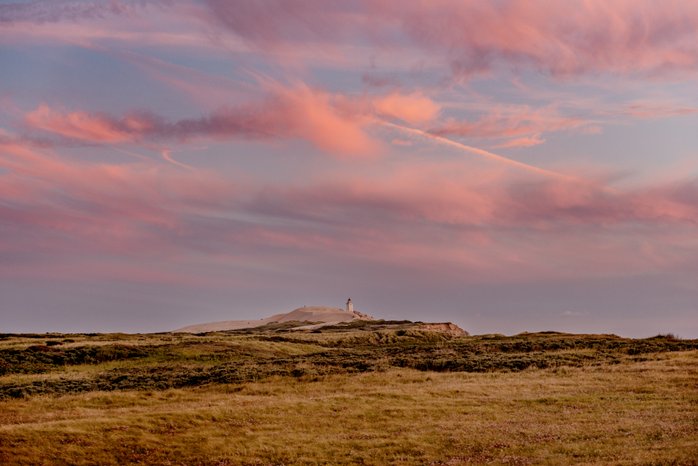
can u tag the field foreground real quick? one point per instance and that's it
(374, 393)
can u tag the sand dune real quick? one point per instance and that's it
(319, 315)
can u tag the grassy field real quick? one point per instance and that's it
(366, 393)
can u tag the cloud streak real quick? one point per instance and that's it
(622, 37)
(425, 214)
(38, 11)
(333, 123)
(479, 152)
(520, 125)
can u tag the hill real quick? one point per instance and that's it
(310, 316)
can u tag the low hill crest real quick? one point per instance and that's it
(319, 315)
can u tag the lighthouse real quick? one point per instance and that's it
(350, 306)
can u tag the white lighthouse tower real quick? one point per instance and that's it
(350, 306)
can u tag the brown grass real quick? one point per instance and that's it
(643, 412)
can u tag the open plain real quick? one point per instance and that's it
(365, 392)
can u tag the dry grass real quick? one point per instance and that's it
(641, 412)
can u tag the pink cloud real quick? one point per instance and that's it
(481, 154)
(647, 110)
(436, 214)
(321, 118)
(315, 117)
(99, 269)
(450, 193)
(86, 23)
(47, 12)
(413, 108)
(624, 36)
(527, 141)
(83, 126)
(462, 195)
(102, 128)
(522, 125)
(401, 142)
(334, 123)
(207, 90)
(278, 24)
(117, 207)
(450, 216)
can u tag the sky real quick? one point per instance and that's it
(507, 165)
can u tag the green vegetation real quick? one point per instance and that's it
(364, 392)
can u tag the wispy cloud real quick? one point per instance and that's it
(478, 152)
(333, 123)
(38, 11)
(626, 37)
(448, 217)
(513, 126)
(290, 113)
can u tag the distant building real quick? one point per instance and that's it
(350, 305)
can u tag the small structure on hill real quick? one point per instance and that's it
(350, 305)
